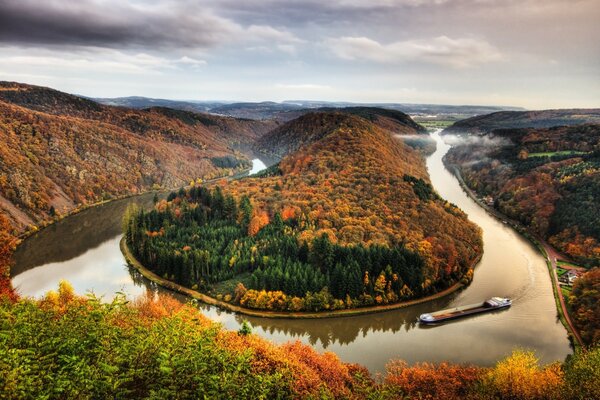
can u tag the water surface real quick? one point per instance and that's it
(84, 249)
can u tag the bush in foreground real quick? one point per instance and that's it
(65, 346)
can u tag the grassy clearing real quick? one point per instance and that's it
(562, 263)
(560, 271)
(434, 124)
(557, 153)
(227, 287)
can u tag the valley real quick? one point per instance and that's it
(353, 209)
(510, 267)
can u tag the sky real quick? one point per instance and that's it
(530, 53)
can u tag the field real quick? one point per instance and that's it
(557, 153)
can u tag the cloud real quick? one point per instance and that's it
(459, 53)
(303, 86)
(120, 24)
(268, 33)
(95, 60)
(110, 23)
(191, 61)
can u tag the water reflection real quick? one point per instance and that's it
(84, 249)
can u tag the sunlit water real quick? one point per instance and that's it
(84, 249)
(257, 166)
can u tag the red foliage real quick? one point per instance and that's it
(431, 381)
(7, 242)
(259, 219)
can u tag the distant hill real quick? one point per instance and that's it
(291, 109)
(314, 125)
(60, 151)
(263, 110)
(524, 119)
(146, 102)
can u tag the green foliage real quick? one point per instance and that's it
(89, 350)
(582, 374)
(547, 179)
(201, 238)
(245, 329)
(423, 190)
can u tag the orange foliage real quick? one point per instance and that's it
(431, 381)
(313, 374)
(585, 304)
(257, 222)
(7, 242)
(519, 377)
(370, 203)
(60, 150)
(288, 212)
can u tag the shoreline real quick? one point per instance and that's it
(29, 233)
(562, 313)
(133, 262)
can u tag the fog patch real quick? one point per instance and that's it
(476, 141)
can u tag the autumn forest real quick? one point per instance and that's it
(346, 218)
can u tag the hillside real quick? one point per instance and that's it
(235, 131)
(147, 102)
(313, 126)
(179, 126)
(62, 151)
(483, 124)
(548, 179)
(338, 159)
(347, 219)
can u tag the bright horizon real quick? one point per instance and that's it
(535, 54)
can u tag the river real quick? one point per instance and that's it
(84, 249)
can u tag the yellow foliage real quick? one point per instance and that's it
(520, 377)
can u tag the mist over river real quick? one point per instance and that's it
(84, 249)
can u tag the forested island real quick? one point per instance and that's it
(339, 223)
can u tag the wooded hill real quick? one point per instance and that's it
(351, 210)
(61, 151)
(312, 126)
(483, 124)
(360, 184)
(548, 179)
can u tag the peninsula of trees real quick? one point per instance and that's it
(348, 218)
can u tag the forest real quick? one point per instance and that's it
(201, 237)
(61, 152)
(321, 230)
(547, 179)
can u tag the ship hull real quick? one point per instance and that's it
(459, 312)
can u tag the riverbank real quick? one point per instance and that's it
(132, 261)
(544, 249)
(24, 235)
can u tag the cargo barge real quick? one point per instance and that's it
(495, 303)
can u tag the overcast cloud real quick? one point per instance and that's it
(531, 53)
